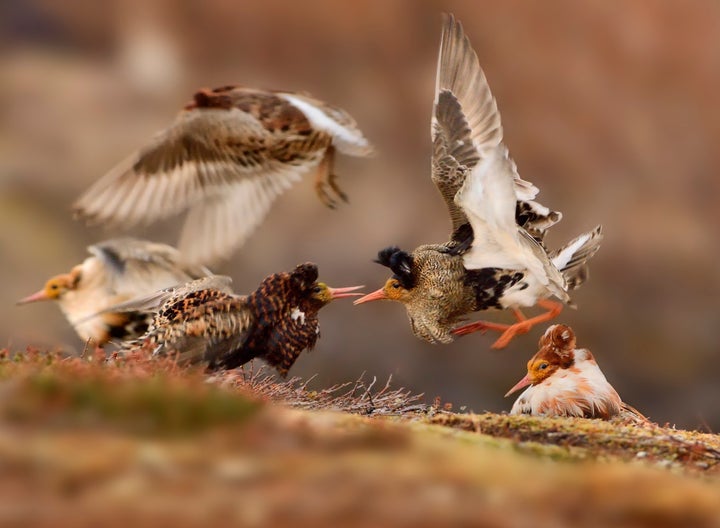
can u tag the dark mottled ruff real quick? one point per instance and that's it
(222, 330)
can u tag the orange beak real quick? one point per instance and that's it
(339, 293)
(39, 296)
(519, 385)
(374, 296)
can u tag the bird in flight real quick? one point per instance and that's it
(227, 156)
(496, 257)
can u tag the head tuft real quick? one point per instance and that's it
(304, 275)
(400, 263)
(560, 337)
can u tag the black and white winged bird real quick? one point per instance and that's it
(496, 257)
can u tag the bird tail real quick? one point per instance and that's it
(572, 259)
(534, 217)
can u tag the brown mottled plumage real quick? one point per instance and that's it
(204, 322)
(227, 156)
(567, 381)
(118, 270)
(495, 257)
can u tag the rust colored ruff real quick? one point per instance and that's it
(496, 257)
(229, 154)
(563, 380)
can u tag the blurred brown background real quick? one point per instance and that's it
(611, 109)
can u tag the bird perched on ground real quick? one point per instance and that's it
(205, 322)
(227, 156)
(565, 381)
(495, 257)
(117, 270)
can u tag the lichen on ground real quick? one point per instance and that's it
(141, 441)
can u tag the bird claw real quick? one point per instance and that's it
(325, 190)
(321, 188)
(332, 182)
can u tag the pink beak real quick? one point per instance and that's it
(519, 385)
(374, 296)
(339, 293)
(39, 296)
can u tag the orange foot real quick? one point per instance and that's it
(523, 325)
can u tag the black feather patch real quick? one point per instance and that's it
(401, 264)
(462, 238)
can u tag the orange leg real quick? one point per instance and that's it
(510, 331)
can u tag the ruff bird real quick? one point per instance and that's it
(204, 322)
(117, 270)
(496, 257)
(565, 381)
(229, 153)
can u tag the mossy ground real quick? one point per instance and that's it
(83, 442)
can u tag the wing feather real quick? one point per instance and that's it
(202, 152)
(466, 126)
(135, 267)
(216, 226)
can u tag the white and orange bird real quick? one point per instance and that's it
(565, 381)
(225, 159)
(117, 271)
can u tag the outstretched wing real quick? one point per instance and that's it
(136, 267)
(465, 123)
(232, 152)
(472, 168)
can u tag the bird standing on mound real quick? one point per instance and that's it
(495, 257)
(117, 270)
(566, 381)
(227, 156)
(204, 322)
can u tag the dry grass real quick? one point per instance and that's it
(84, 442)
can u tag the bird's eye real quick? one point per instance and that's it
(543, 366)
(396, 285)
(54, 287)
(316, 289)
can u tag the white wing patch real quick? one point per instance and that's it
(298, 315)
(566, 254)
(346, 139)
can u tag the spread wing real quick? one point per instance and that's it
(465, 123)
(138, 267)
(223, 159)
(472, 169)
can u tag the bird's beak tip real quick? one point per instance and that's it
(374, 296)
(339, 293)
(38, 296)
(519, 385)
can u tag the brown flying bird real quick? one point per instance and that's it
(205, 322)
(117, 270)
(225, 159)
(495, 257)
